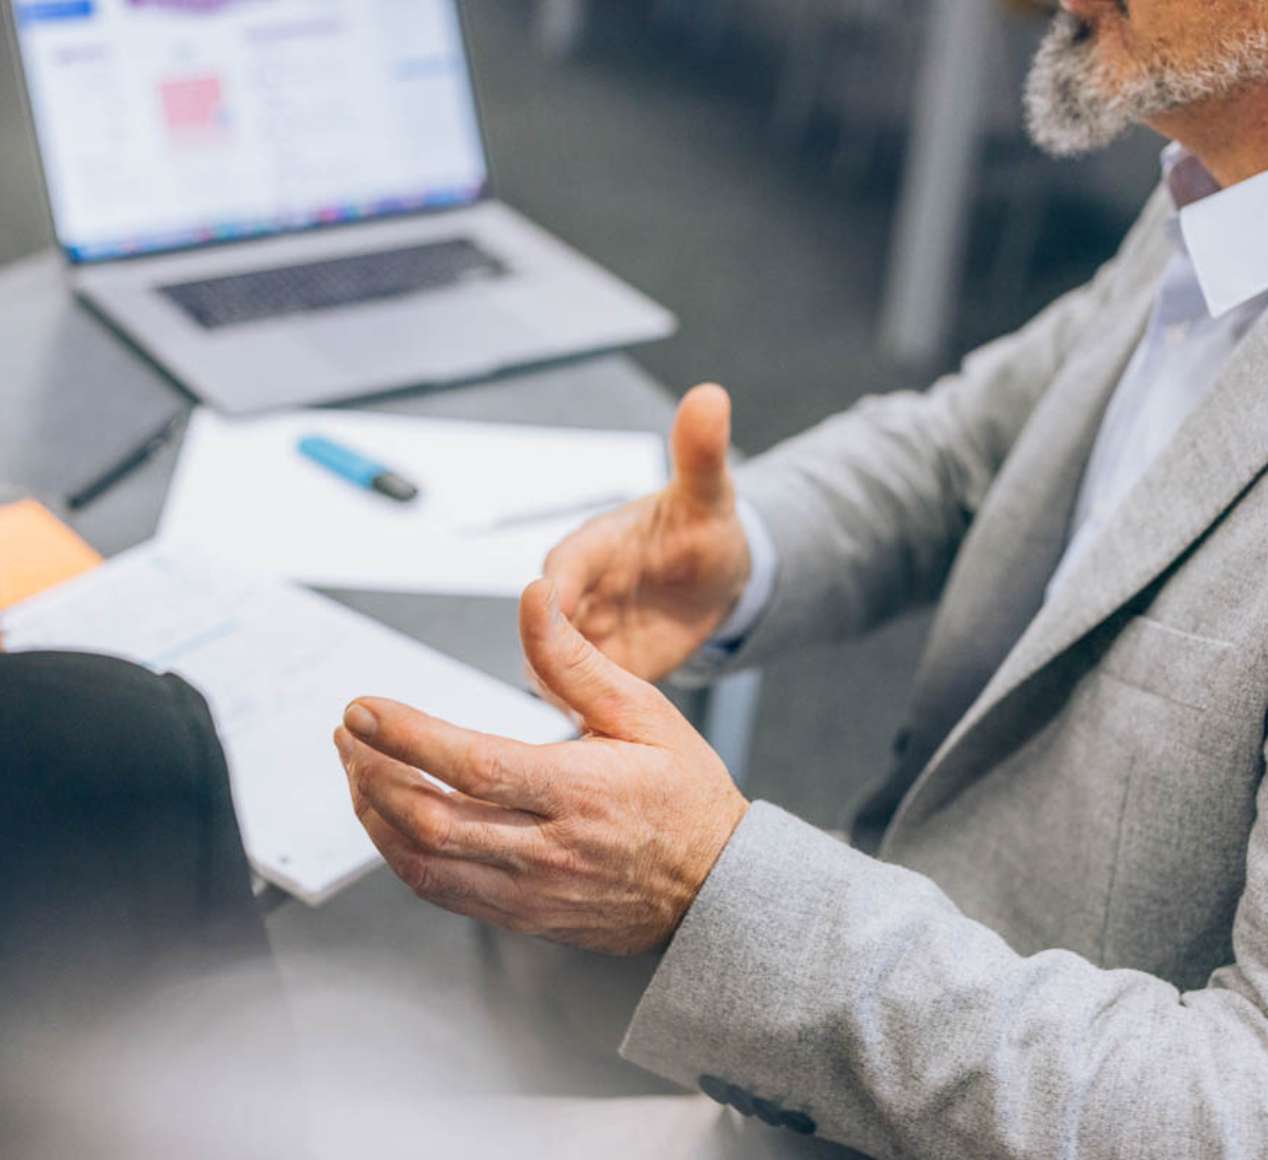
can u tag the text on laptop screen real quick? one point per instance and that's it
(168, 123)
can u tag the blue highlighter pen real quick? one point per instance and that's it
(357, 469)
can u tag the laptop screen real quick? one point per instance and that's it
(165, 124)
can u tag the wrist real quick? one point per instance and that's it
(755, 578)
(709, 849)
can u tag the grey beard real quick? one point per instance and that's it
(1073, 107)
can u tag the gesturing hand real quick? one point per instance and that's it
(602, 843)
(650, 582)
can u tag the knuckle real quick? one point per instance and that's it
(485, 765)
(578, 657)
(496, 773)
(545, 782)
(420, 877)
(432, 828)
(359, 783)
(432, 883)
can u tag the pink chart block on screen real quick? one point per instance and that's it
(193, 105)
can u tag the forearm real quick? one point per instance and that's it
(824, 981)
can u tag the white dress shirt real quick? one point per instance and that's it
(1213, 291)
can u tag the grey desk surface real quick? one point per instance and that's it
(521, 1017)
(73, 396)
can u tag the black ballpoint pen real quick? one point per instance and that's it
(126, 465)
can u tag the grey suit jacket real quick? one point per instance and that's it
(1062, 950)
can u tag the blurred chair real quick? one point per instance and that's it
(851, 58)
(946, 76)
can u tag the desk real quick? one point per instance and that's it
(71, 395)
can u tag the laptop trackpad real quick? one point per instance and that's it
(458, 334)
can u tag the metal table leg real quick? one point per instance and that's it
(561, 26)
(730, 713)
(928, 248)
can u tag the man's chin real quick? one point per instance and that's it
(1066, 113)
(1071, 137)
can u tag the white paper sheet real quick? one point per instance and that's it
(243, 492)
(277, 665)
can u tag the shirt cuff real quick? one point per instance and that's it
(756, 595)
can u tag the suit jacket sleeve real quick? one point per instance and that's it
(817, 979)
(868, 509)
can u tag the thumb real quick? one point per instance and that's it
(608, 699)
(700, 441)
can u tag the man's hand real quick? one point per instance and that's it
(602, 843)
(649, 583)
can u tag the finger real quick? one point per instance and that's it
(608, 699)
(577, 563)
(542, 690)
(434, 822)
(493, 769)
(477, 891)
(699, 444)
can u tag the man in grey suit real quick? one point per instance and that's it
(1048, 935)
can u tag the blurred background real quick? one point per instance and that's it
(835, 196)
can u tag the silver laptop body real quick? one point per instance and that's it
(287, 201)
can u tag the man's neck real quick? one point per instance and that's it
(1230, 137)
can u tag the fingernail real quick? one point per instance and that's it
(552, 602)
(360, 721)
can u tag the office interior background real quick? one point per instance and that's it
(751, 164)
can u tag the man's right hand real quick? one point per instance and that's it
(649, 583)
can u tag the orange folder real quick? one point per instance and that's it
(37, 552)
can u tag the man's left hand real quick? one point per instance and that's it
(602, 843)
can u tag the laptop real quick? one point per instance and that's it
(288, 201)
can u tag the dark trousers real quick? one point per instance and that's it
(119, 850)
(125, 903)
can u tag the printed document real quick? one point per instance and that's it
(494, 498)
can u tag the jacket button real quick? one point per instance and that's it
(741, 1101)
(768, 1113)
(716, 1089)
(799, 1122)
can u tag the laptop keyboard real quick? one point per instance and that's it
(261, 294)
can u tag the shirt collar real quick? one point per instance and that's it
(1223, 229)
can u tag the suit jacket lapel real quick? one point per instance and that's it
(1218, 453)
(1017, 539)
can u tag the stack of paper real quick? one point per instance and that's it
(210, 600)
(483, 524)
